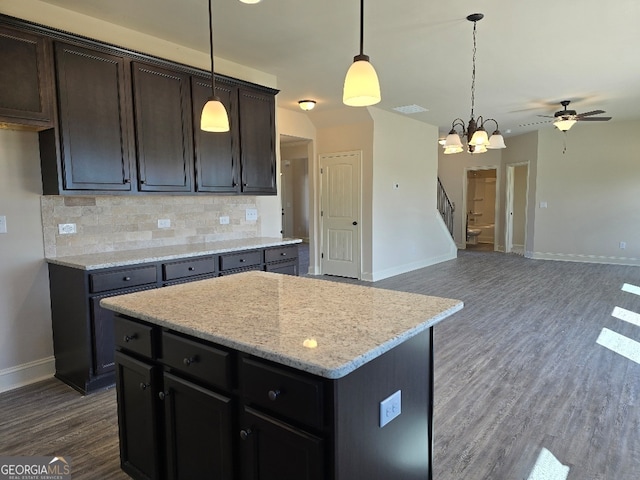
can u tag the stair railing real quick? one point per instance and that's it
(445, 207)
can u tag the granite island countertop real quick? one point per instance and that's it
(94, 261)
(271, 316)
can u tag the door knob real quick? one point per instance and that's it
(354, 223)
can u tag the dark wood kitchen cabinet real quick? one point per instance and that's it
(217, 154)
(25, 85)
(93, 151)
(257, 141)
(162, 112)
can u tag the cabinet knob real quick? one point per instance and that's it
(163, 395)
(284, 254)
(126, 279)
(128, 338)
(244, 434)
(189, 360)
(242, 260)
(144, 386)
(274, 394)
(354, 223)
(191, 269)
(127, 180)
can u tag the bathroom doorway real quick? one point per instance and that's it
(481, 201)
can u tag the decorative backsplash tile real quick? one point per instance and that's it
(115, 223)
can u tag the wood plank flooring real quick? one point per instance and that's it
(516, 371)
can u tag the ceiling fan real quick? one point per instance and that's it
(565, 119)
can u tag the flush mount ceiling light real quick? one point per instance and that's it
(214, 116)
(477, 139)
(361, 86)
(251, 1)
(307, 105)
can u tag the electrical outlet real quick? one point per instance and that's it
(251, 214)
(623, 245)
(66, 228)
(3, 224)
(164, 223)
(390, 408)
(224, 220)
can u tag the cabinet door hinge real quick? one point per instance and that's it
(322, 255)
(321, 171)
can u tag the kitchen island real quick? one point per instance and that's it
(266, 376)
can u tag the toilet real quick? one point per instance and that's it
(472, 235)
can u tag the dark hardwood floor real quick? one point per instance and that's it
(517, 370)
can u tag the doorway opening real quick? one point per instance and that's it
(516, 208)
(481, 208)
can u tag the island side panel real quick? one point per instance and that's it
(401, 448)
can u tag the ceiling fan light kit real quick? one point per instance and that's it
(361, 85)
(565, 119)
(477, 139)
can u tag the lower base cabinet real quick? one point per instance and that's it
(189, 409)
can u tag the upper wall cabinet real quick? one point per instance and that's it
(25, 97)
(94, 124)
(217, 154)
(162, 107)
(257, 141)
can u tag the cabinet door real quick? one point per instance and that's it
(257, 142)
(198, 431)
(24, 87)
(94, 123)
(162, 104)
(217, 156)
(137, 387)
(270, 449)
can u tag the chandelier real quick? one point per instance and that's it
(477, 139)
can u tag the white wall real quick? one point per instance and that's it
(592, 192)
(408, 232)
(26, 345)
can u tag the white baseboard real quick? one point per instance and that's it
(569, 257)
(21, 375)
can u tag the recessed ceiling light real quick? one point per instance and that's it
(409, 109)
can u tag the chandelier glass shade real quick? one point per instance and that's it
(478, 141)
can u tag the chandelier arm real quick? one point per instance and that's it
(473, 69)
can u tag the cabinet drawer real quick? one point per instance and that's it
(135, 337)
(280, 254)
(189, 268)
(293, 396)
(197, 360)
(131, 277)
(240, 260)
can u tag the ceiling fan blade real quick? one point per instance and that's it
(545, 116)
(594, 112)
(594, 119)
(534, 123)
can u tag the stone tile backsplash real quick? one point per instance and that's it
(115, 223)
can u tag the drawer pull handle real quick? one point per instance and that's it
(126, 279)
(242, 260)
(163, 395)
(244, 434)
(128, 338)
(284, 254)
(144, 386)
(191, 269)
(274, 394)
(189, 360)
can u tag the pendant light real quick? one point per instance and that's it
(361, 86)
(477, 139)
(214, 116)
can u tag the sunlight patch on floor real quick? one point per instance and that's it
(627, 287)
(620, 344)
(548, 467)
(626, 315)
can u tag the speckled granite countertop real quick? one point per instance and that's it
(95, 261)
(271, 315)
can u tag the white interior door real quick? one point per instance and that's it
(340, 214)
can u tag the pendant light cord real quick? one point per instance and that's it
(213, 79)
(473, 70)
(361, 27)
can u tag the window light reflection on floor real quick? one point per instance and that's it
(627, 287)
(548, 467)
(619, 344)
(626, 315)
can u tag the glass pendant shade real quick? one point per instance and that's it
(453, 140)
(564, 124)
(214, 116)
(479, 149)
(480, 137)
(361, 85)
(496, 141)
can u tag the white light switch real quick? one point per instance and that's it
(543, 204)
(251, 214)
(3, 224)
